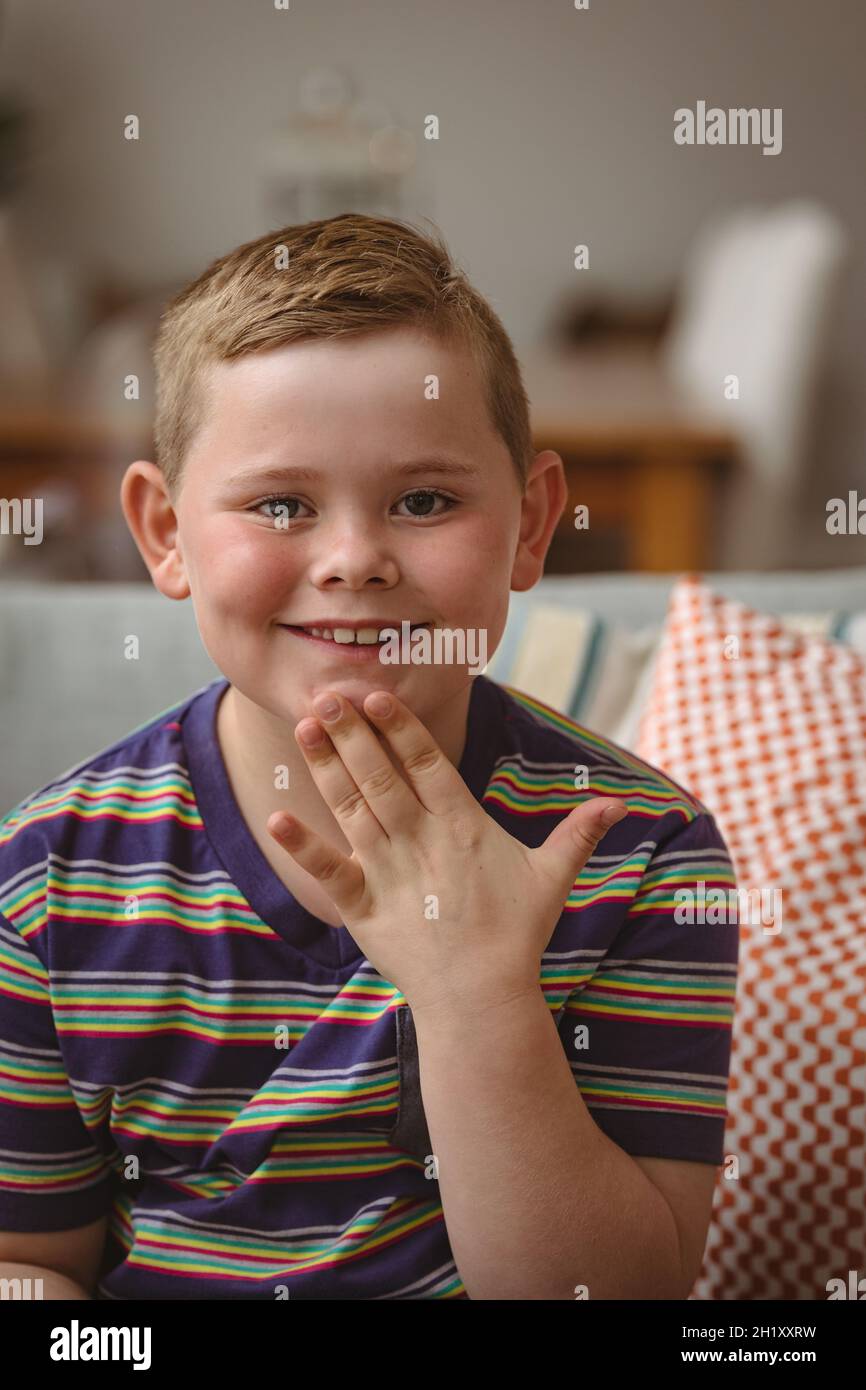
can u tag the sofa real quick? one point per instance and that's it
(67, 689)
(632, 657)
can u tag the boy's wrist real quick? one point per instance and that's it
(459, 1009)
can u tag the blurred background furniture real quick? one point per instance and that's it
(644, 459)
(689, 449)
(701, 265)
(757, 303)
(686, 440)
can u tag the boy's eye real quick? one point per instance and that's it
(424, 498)
(422, 495)
(285, 504)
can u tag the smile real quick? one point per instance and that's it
(354, 644)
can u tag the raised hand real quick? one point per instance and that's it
(436, 894)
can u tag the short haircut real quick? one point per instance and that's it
(343, 275)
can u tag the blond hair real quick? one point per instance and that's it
(344, 275)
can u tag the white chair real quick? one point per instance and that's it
(756, 302)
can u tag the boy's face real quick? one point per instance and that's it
(358, 543)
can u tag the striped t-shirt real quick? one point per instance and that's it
(185, 1048)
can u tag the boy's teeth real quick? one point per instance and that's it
(366, 636)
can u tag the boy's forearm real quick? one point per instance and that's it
(54, 1285)
(537, 1200)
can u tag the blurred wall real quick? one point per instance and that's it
(556, 128)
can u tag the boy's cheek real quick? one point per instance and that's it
(243, 583)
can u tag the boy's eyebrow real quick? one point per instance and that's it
(434, 463)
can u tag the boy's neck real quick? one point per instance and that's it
(254, 743)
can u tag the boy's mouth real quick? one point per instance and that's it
(357, 641)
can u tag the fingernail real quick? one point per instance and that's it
(611, 814)
(326, 706)
(311, 734)
(379, 704)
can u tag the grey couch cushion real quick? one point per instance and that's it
(67, 690)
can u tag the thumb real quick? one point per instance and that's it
(574, 840)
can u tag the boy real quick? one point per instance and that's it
(271, 1020)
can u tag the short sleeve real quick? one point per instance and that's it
(649, 1034)
(52, 1176)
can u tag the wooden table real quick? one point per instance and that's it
(636, 452)
(45, 434)
(644, 461)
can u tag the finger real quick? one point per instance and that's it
(358, 778)
(575, 839)
(339, 789)
(342, 878)
(437, 784)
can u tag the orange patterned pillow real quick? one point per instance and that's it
(768, 728)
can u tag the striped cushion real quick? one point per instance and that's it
(771, 735)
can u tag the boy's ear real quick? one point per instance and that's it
(151, 518)
(542, 506)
